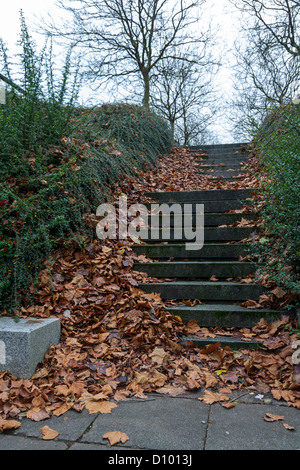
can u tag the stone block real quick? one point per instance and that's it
(23, 344)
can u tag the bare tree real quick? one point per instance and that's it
(278, 19)
(267, 70)
(182, 87)
(126, 39)
(263, 80)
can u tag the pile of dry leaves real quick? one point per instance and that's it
(118, 342)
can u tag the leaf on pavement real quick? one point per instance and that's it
(228, 405)
(115, 437)
(288, 427)
(271, 418)
(211, 397)
(96, 404)
(48, 433)
(9, 425)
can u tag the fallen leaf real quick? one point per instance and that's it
(251, 304)
(271, 418)
(192, 327)
(228, 405)
(171, 390)
(288, 427)
(211, 397)
(220, 372)
(37, 414)
(159, 356)
(211, 381)
(9, 425)
(62, 409)
(278, 292)
(96, 404)
(48, 433)
(115, 437)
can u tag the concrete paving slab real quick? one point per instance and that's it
(70, 426)
(244, 428)
(160, 424)
(107, 448)
(9, 442)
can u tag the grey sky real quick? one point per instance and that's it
(219, 12)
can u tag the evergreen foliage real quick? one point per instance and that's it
(57, 163)
(278, 144)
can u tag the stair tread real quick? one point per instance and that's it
(222, 308)
(204, 284)
(222, 194)
(232, 342)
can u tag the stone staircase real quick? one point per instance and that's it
(222, 161)
(187, 275)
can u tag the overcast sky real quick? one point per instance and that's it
(220, 11)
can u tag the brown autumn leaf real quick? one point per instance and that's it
(211, 380)
(62, 409)
(48, 433)
(9, 425)
(279, 292)
(210, 348)
(159, 356)
(97, 403)
(228, 405)
(115, 437)
(244, 223)
(213, 278)
(271, 418)
(288, 427)
(171, 390)
(37, 414)
(192, 327)
(251, 304)
(210, 397)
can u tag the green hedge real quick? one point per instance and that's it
(58, 162)
(49, 204)
(278, 145)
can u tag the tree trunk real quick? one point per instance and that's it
(172, 123)
(146, 98)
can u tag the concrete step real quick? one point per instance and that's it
(234, 157)
(210, 234)
(197, 269)
(225, 315)
(211, 220)
(220, 160)
(223, 174)
(220, 152)
(201, 196)
(231, 179)
(234, 343)
(202, 290)
(213, 251)
(218, 206)
(219, 166)
(237, 145)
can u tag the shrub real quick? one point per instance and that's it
(278, 145)
(57, 165)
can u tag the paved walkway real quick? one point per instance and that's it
(169, 424)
